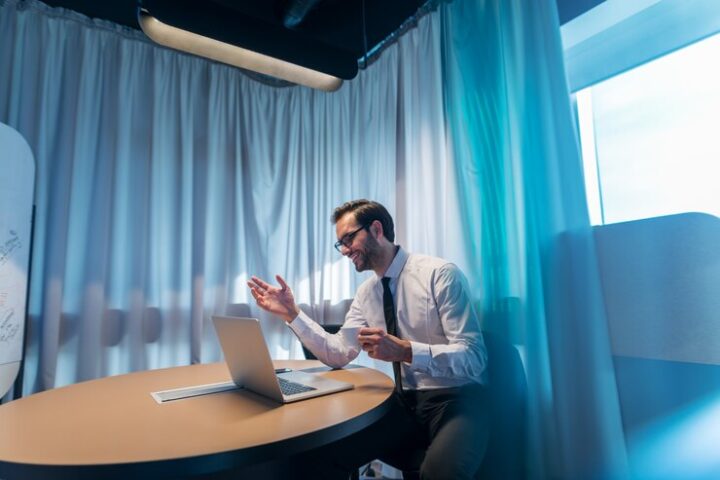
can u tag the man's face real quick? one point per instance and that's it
(360, 247)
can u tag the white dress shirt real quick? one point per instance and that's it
(434, 312)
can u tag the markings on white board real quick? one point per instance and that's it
(10, 245)
(8, 327)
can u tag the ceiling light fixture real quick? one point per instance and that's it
(180, 37)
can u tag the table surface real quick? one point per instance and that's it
(113, 427)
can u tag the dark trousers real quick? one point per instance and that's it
(449, 426)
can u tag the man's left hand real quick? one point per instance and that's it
(380, 345)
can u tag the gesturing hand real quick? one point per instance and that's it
(380, 345)
(279, 301)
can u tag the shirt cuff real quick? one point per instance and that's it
(420, 356)
(301, 323)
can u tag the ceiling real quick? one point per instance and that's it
(325, 35)
(336, 22)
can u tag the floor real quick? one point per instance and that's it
(379, 471)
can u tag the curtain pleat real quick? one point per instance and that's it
(519, 173)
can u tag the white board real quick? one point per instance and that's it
(17, 179)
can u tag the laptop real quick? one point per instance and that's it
(251, 367)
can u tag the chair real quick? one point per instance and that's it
(505, 455)
(113, 327)
(506, 450)
(152, 325)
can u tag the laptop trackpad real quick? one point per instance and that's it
(319, 385)
(308, 379)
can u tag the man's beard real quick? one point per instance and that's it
(367, 257)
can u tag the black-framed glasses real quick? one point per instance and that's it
(347, 239)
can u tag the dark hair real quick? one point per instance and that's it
(366, 212)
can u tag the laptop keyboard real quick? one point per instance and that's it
(293, 388)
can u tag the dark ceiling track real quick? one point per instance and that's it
(370, 57)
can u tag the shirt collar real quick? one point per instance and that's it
(397, 265)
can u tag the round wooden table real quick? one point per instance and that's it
(113, 428)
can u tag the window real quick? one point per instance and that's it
(651, 137)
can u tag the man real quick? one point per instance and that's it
(416, 313)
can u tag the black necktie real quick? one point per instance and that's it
(391, 326)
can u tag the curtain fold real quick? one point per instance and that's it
(519, 172)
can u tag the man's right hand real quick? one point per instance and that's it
(279, 301)
(380, 345)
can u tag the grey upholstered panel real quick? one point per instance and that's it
(661, 286)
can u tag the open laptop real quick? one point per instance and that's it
(251, 367)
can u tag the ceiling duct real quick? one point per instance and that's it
(210, 30)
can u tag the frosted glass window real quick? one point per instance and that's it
(651, 137)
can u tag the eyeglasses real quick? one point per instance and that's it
(347, 239)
